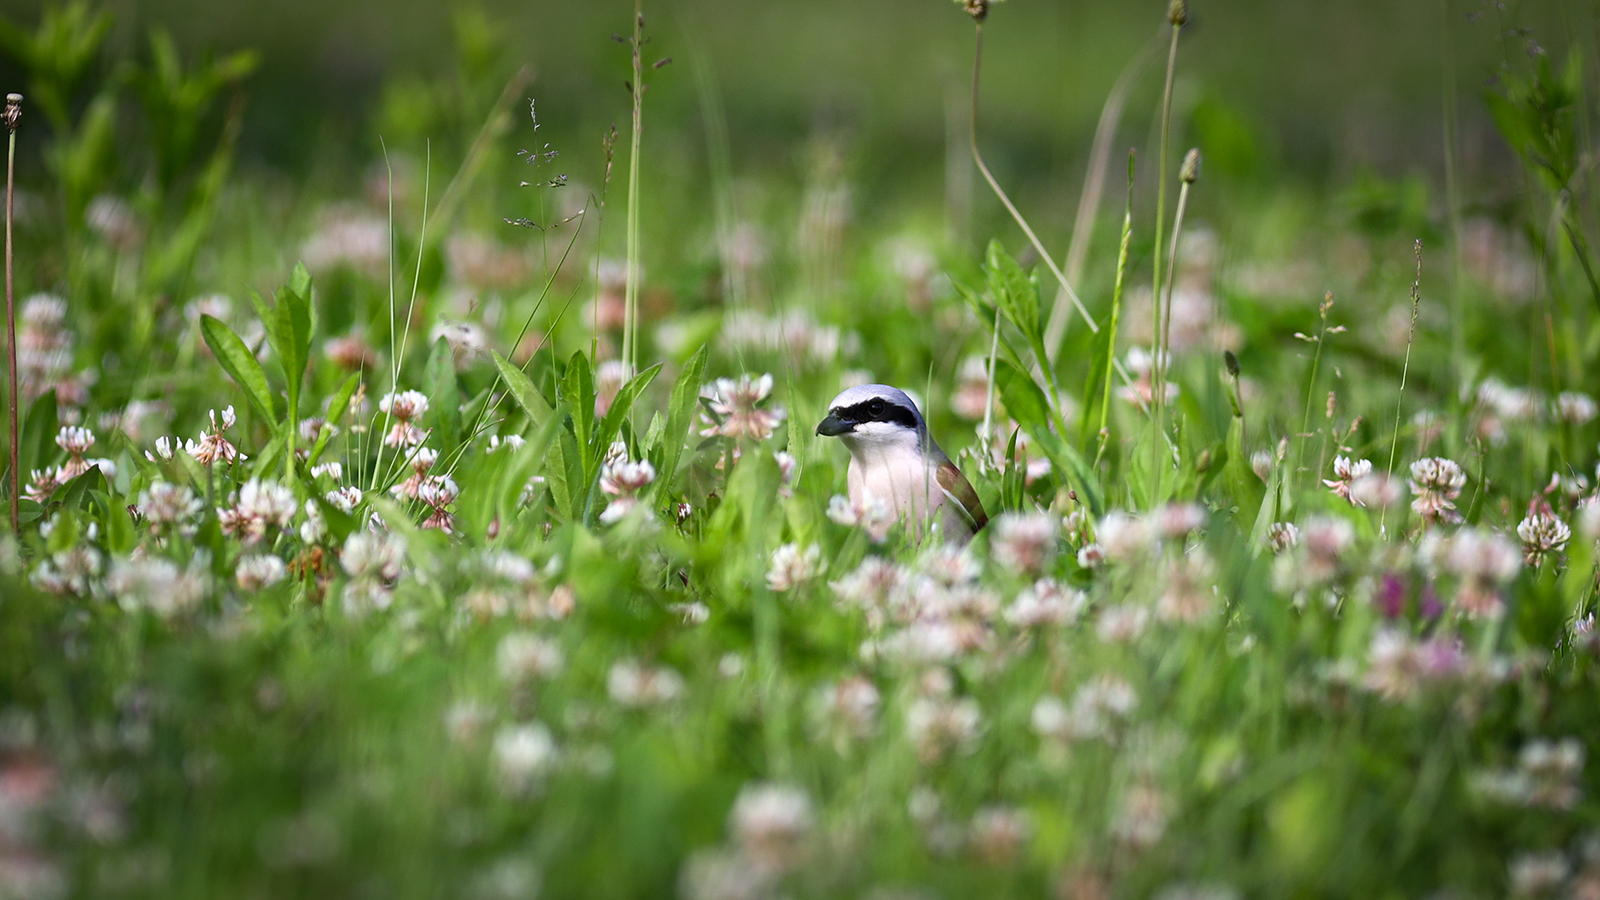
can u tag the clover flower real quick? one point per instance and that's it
(793, 566)
(770, 822)
(1436, 483)
(1345, 472)
(1024, 542)
(624, 479)
(1542, 534)
(737, 408)
(213, 446)
(258, 506)
(404, 408)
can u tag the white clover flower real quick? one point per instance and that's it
(771, 822)
(524, 755)
(936, 725)
(1436, 483)
(158, 585)
(739, 410)
(1124, 537)
(404, 407)
(1345, 473)
(257, 572)
(1024, 542)
(1046, 604)
(1542, 534)
(169, 507)
(624, 479)
(631, 683)
(1576, 409)
(522, 656)
(793, 565)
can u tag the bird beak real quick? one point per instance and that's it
(833, 426)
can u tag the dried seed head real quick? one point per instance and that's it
(1178, 13)
(1190, 170)
(977, 9)
(13, 113)
(1230, 362)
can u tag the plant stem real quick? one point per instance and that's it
(13, 115)
(1116, 297)
(1094, 180)
(631, 298)
(1405, 369)
(1163, 359)
(1158, 388)
(977, 157)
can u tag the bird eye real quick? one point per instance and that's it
(875, 408)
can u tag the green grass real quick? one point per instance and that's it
(645, 655)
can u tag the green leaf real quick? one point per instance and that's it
(1244, 488)
(38, 435)
(119, 535)
(295, 328)
(240, 364)
(611, 425)
(1016, 294)
(1023, 398)
(522, 390)
(578, 398)
(444, 397)
(1071, 464)
(336, 410)
(339, 522)
(680, 415)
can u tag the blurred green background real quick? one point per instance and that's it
(1309, 93)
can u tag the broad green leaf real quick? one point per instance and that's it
(611, 425)
(38, 435)
(680, 415)
(444, 397)
(1244, 488)
(338, 522)
(578, 398)
(1024, 400)
(240, 364)
(119, 534)
(336, 410)
(1071, 464)
(522, 390)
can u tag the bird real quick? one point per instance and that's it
(893, 459)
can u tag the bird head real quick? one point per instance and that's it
(874, 414)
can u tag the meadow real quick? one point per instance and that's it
(446, 517)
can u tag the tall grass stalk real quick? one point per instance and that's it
(397, 352)
(1187, 175)
(1094, 182)
(988, 398)
(1116, 305)
(983, 168)
(13, 116)
(630, 326)
(1405, 369)
(1177, 15)
(1311, 386)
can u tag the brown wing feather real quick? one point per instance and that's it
(958, 487)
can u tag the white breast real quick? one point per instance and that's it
(902, 478)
